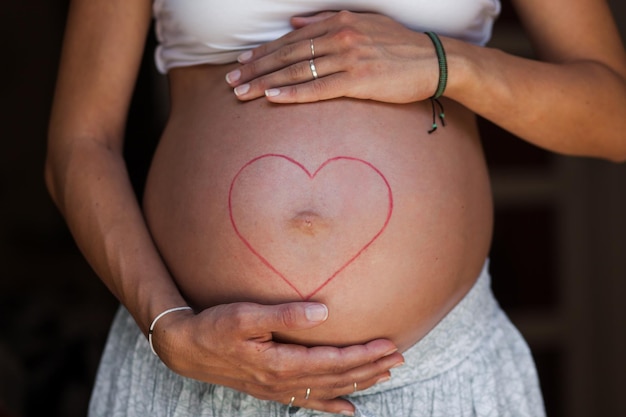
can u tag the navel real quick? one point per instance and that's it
(308, 222)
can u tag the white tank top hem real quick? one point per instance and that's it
(193, 32)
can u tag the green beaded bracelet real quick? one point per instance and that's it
(443, 80)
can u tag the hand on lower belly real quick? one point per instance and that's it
(232, 345)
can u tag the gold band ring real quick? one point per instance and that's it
(308, 393)
(355, 387)
(291, 402)
(313, 69)
(312, 45)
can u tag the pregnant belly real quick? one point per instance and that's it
(324, 220)
(389, 228)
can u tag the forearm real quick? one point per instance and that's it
(91, 188)
(573, 108)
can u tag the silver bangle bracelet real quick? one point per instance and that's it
(151, 330)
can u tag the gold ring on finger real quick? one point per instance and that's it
(291, 402)
(355, 387)
(312, 48)
(308, 393)
(313, 69)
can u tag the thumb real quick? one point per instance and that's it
(300, 21)
(292, 316)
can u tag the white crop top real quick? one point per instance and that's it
(192, 32)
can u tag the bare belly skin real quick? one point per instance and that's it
(346, 202)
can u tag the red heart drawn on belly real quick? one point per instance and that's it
(346, 200)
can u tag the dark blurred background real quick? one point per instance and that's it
(558, 257)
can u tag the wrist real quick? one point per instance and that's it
(463, 67)
(161, 336)
(442, 64)
(154, 292)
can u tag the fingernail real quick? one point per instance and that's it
(383, 379)
(272, 92)
(244, 56)
(242, 89)
(394, 350)
(316, 312)
(397, 365)
(347, 413)
(233, 76)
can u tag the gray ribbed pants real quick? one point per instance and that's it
(473, 363)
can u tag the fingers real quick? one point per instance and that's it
(343, 54)
(328, 400)
(323, 393)
(308, 64)
(285, 61)
(232, 345)
(334, 406)
(291, 39)
(306, 27)
(325, 88)
(334, 385)
(345, 364)
(329, 371)
(301, 21)
(284, 317)
(310, 79)
(323, 373)
(284, 366)
(328, 377)
(289, 65)
(277, 54)
(337, 405)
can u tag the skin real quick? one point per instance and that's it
(87, 179)
(582, 78)
(282, 234)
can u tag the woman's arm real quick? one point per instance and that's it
(85, 169)
(570, 103)
(574, 101)
(87, 178)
